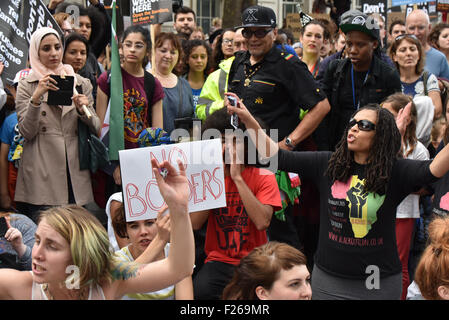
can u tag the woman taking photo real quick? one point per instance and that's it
(71, 238)
(312, 38)
(50, 150)
(178, 99)
(197, 55)
(360, 185)
(408, 56)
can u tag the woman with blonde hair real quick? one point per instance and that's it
(273, 271)
(72, 258)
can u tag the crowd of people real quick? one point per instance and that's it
(355, 209)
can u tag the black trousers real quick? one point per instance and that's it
(211, 280)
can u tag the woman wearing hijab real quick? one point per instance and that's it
(49, 174)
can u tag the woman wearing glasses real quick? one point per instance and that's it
(360, 184)
(224, 48)
(408, 55)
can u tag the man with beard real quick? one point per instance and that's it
(185, 22)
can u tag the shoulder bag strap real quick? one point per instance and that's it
(180, 97)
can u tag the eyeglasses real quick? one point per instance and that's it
(228, 41)
(259, 33)
(363, 125)
(408, 35)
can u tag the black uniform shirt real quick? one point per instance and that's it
(278, 89)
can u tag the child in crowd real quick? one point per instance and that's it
(408, 210)
(252, 195)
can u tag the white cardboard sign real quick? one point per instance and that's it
(204, 160)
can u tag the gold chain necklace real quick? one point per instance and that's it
(249, 76)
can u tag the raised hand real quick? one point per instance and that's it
(174, 187)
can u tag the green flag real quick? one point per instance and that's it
(116, 130)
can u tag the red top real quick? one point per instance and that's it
(231, 235)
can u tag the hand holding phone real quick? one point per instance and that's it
(3, 227)
(234, 118)
(63, 96)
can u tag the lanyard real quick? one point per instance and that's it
(356, 106)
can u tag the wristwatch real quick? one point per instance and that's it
(289, 143)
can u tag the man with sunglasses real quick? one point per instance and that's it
(362, 78)
(418, 24)
(274, 86)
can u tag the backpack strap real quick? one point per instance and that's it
(425, 78)
(149, 84)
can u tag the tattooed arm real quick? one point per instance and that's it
(179, 263)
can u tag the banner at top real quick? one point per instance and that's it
(401, 2)
(151, 11)
(18, 20)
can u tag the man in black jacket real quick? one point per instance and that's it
(353, 82)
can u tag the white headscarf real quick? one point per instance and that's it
(36, 65)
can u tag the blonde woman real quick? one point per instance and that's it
(72, 259)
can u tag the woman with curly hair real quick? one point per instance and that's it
(439, 38)
(360, 185)
(224, 48)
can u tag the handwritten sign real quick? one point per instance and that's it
(204, 160)
(151, 11)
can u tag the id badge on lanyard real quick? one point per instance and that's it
(356, 106)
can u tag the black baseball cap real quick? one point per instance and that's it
(355, 20)
(258, 16)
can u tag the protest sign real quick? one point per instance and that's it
(429, 7)
(406, 2)
(204, 171)
(18, 20)
(443, 5)
(151, 11)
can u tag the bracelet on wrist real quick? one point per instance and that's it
(35, 103)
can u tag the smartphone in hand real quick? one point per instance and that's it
(62, 97)
(3, 227)
(234, 118)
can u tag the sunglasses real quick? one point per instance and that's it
(259, 33)
(363, 125)
(408, 35)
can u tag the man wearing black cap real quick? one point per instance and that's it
(360, 79)
(275, 86)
